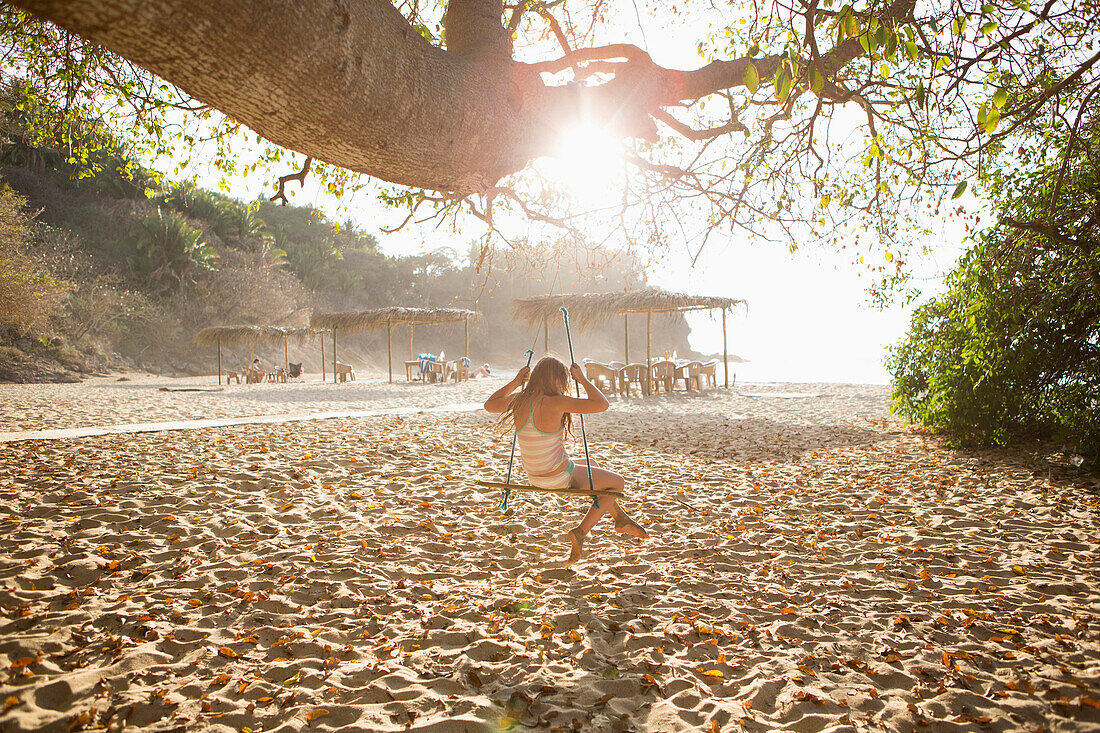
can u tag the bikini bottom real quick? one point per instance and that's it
(563, 479)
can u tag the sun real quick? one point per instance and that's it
(588, 162)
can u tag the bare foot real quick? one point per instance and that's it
(575, 551)
(626, 525)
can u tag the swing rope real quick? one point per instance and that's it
(577, 385)
(511, 457)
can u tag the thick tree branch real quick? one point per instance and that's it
(356, 85)
(720, 75)
(555, 28)
(347, 83)
(626, 51)
(474, 28)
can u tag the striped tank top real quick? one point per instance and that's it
(542, 454)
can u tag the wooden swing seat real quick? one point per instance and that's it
(527, 487)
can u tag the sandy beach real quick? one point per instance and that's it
(814, 565)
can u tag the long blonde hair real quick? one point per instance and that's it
(549, 377)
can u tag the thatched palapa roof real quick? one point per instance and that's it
(244, 335)
(353, 321)
(588, 308)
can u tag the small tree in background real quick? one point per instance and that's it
(166, 251)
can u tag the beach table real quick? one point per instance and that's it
(411, 367)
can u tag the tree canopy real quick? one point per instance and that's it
(801, 120)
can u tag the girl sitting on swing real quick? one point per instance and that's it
(542, 415)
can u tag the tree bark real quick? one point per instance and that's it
(348, 82)
(351, 83)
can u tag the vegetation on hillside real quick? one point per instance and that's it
(104, 259)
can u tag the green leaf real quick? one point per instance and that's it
(911, 50)
(884, 71)
(782, 84)
(919, 96)
(869, 43)
(891, 46)
(1000, 97)
(992, 119)
(751, 77)
(989, 27)
(959, 190)
(817, 81)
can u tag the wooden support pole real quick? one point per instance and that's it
(323, 377)
(389, 348)
(286, 354)
(467, 355)
(334, 355)
(626, 338)
(410, 342)
(725, 355)
(649, 350)
(219, 361)
(546, 337)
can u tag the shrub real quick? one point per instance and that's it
(1012, 348)
(30, 298)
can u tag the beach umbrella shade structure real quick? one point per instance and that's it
(388, 317)
(586, 309)
(251, 335)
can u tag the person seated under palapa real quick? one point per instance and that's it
(255, 372)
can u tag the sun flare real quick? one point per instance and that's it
(588, 160)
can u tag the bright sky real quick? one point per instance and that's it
(807, 316)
